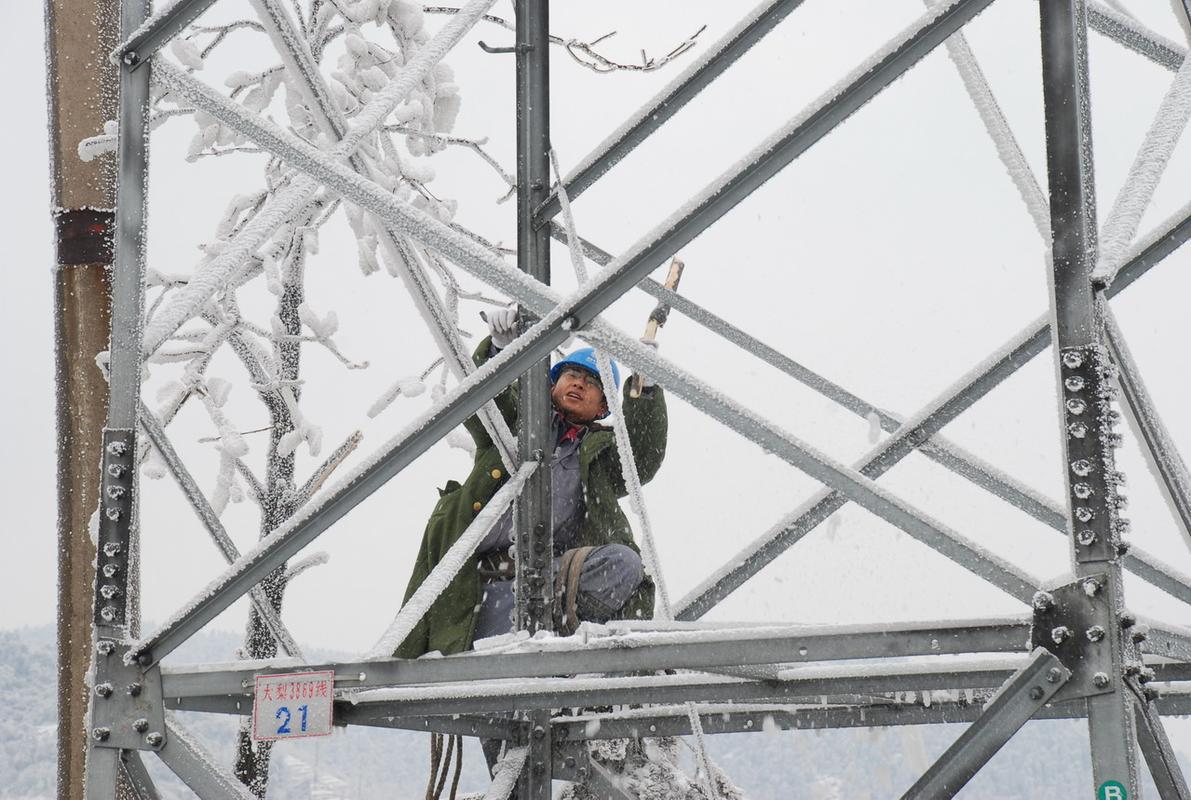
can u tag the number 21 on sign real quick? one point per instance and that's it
(292, 705)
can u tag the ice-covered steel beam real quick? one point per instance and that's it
(1156, 748)
(938, 448)
(1019, 699)
(1135, 36)
(996, 368)
(646, 652)
(654, 113)
(490, 696)
(157, 30)
(211, 521)
(486, 727)
(187, 759)
(1164, 458)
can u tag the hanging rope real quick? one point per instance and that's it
(439, 758)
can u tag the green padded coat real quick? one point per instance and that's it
(449, 625)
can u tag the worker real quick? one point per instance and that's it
(599, 575)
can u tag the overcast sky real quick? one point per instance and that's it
(891, 258)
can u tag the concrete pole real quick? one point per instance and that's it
(82, 92)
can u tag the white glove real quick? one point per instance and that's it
(502, 324)
(647, 381)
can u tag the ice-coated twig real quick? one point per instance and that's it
(448, 566)
(1142, 181)
(296, 568)
(337, 457)
(584, 52)
(475, 145)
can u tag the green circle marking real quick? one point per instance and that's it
(1112, 790)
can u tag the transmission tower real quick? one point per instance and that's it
(1073, 652)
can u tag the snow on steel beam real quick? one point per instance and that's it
(1132, 34)
(804, 683)
(157, 30)
(197, 768)
(213, 275)
(1156, 748)
(1163, 456)
(1019, 699)
(137, 776)
(486, 727)
(211, 521)
(1166, 640)
(649, 117)
(643, 651)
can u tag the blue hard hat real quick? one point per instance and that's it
(584, 357)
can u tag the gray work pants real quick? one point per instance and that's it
(610, 574)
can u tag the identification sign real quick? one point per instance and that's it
(292, 705)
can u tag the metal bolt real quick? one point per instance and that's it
(1060, 634)
(1138, 636)
(539, 767)
(1122, 547)
(104, 690)
(105, 647)
(1081, 467)
(1077, 430)
(582, 772)
(117, 448)
(1100, 680)
(115, 492)
(1147, 675)
(131, 58)
(1095, 633)
(115, 470)
(1150, 693)
(1090, 587)
(539, 546)
(101, 734)
(1053, 675)
(1043, 601)
(108, 613)
(110, 570)
(1086, 537)
(569, 323)
(109, 590)
(146, 658)
(1074, 384)
(154, 739)
(1082, 490)
(538, 732)
(1036, 693)
(134, 690)
(141, 725)
(111, 549)
(1072, 359)
(112, 513)
(1128, 619)
(1076, 406)
(1084, 514)
(569, 761)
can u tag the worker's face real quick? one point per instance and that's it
(577, 395)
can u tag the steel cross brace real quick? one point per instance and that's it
(585, 305)
(1019, 699)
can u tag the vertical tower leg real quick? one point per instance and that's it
(1084, 376)
(117, 582)
(535, 526)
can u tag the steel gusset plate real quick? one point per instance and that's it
(1071, 621)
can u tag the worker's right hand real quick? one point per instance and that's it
(502, 324)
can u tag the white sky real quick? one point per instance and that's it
(892, 257)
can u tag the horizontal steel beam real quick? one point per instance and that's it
(644, 652)
(485, 727)
(654, 113)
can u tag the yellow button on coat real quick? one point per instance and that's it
(476, 506)
(496, 474)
